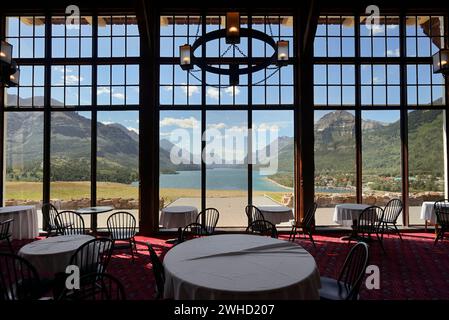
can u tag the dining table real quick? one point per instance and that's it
(94, 212)
(240, 266)
(52, 255)
(276, 214)
(25, 221)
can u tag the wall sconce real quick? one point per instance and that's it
(233, 28)
(14, 76)
(5, 52)
(185, 55)
(441, 62)
(282, 52)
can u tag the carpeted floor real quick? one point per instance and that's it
(411, 269)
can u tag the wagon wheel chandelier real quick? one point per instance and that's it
(232, 33)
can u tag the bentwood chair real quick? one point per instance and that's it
(208, 218)
(392, 211)
(93, 256)
(253, 213)
(5, 233)
(347, 286)
(158, 272)
(306, 225)
(95, 286)
(122, 227)
(70, 223)
(442, 213)
(18, 279)
(263, 228)
(368, 224)
(49, 213)
(204, 225)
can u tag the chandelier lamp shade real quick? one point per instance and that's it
(441, 62)
(236, 66)
(9, 72)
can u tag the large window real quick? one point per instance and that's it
(362, 148)
(87, 100)
(190, 104)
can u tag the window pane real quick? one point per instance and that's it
(334, 162)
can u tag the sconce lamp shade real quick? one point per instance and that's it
(282, 52)
(233, 28)
(185, 56)
(14, 76)
(5, 52)
(441, 62)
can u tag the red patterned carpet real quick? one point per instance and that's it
(411, 269)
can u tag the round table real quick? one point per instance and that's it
(25, 224)
(428, 212)
(237, 266)
(177, 216)
(93, 211)
(276, 214)
(52, 255)
(345, 214)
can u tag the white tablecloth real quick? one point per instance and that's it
(52, 255)
(428, 212)
(177, 216)
(344, 214)
(25, 224)
(276, 214)
(235, 266)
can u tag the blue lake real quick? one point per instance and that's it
(219, 179)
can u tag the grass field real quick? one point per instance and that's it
(64, 190)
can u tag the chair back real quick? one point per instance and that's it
(93, 256)
(208, 219)
(353, 270)
(49, 213)
(121, 225)
(369, 220)
(253, 213)
(5, 229)
(158, 271)
(441, 209)
(309, 217)
(193, 230)
(70, 223)
(18, 279)
(96, 286)
(392, 210)
(262, 227)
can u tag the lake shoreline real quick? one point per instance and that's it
(279, 185)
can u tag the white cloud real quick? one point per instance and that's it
(119, 96)
(393, 53)
(73, 79)
(133, 130)
(186, 123)
(106, 123)
(103, 90)
(230, 90)
(212, 93)
(190, 90)
(267, 127)
(217, 126)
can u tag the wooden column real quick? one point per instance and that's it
(148, 119)
(305, 28)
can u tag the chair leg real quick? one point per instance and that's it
(437, 237)
(294, 231)
(9, 245)
(397, 230)
(290, 236)
(311, 239)
(131, 245)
